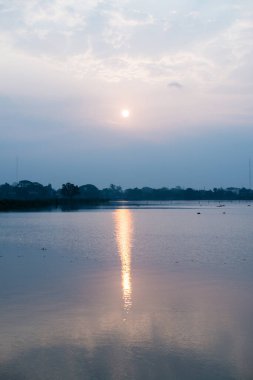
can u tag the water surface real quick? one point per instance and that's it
(127, 293)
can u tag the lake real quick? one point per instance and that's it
(140, 291)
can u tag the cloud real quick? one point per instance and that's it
(86, 47)
(120, 27)
(175, 85)
(194, 14)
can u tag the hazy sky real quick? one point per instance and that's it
(182, 68)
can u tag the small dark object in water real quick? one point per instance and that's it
(43, 249)
(224, 213)
(198, 213)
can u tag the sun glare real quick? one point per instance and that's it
(125, 113)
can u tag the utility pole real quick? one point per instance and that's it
(17, 169)
(250, 173)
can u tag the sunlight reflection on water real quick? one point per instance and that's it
(123, 232)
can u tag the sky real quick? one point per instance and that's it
(182, 69)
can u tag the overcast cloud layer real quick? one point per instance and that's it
(183, 68)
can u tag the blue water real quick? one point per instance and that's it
(127, 293)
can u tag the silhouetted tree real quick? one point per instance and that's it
(113, 192)
(89, 192)
(69, 190)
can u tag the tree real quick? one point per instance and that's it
(69, 190)
(89, 192)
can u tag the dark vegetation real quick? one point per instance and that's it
(33, 195)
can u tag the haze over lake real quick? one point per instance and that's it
(113, 114)
(127, 293)
(135, 93)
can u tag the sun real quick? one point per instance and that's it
(125, 113)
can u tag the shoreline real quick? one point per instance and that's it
(79, 204)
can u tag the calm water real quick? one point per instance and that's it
(137, 293)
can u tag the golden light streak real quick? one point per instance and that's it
(123, 224)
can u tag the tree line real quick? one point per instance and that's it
(34, 191)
